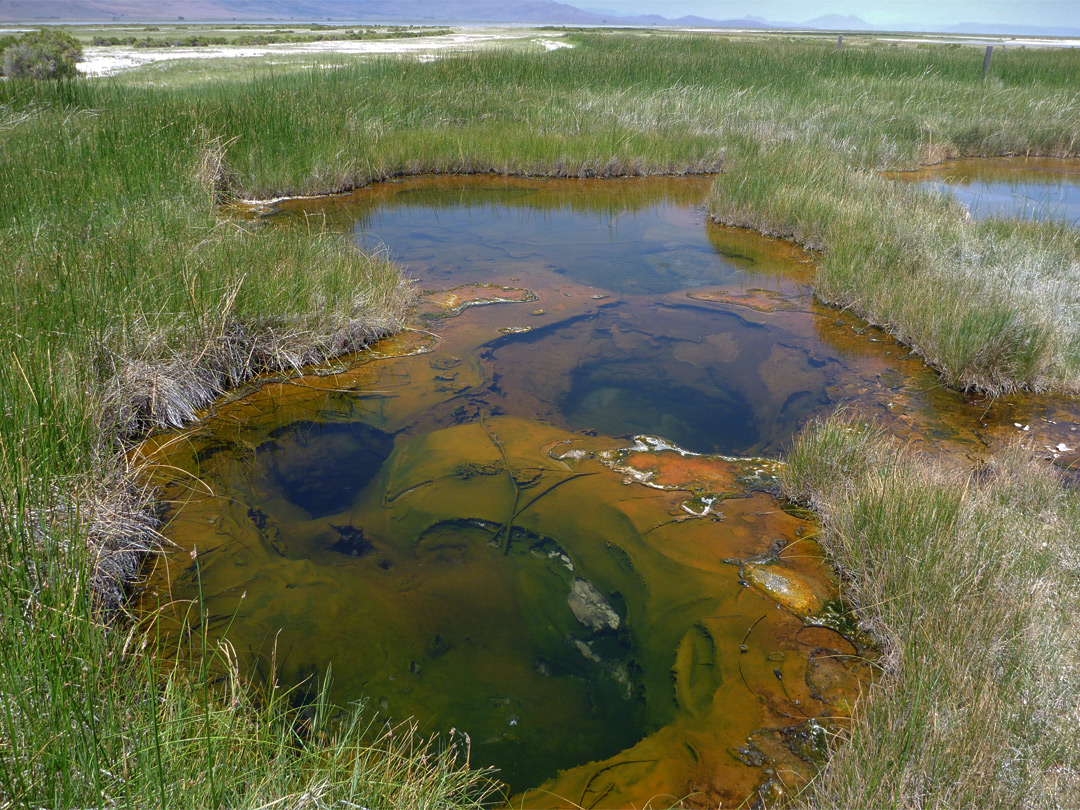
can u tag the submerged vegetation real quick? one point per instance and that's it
(129, 304)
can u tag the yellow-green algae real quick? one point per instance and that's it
(445, 590)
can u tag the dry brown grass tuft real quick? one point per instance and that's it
(121, 526)
(212, 172)
(167, 371)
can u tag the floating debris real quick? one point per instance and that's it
(800, 595)
(754, 298)
(591, 608)
(452, 302)
(657, 463)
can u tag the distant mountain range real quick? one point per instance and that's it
(838, 22)
(426, 11)
(397, 11)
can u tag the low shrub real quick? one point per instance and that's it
(44, 54)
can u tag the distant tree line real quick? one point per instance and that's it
(268, 38)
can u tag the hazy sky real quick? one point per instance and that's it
(883, 13)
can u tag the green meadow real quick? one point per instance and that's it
(129, 302)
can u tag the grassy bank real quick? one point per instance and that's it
(129, 304)
(968, 581)
(991, 305)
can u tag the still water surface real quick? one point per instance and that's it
(1042, 189)
(524, 520)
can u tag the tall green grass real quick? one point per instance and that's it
(128, 303)
(656, 103)
(968, 583)
(90, 718)
(797, 128)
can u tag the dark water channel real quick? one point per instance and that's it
(541, 518)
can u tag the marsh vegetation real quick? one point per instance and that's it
(130, 303)
(247, 35)
(972, 579)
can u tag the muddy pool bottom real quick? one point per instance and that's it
(608, 623)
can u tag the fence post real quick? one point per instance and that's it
(839, 41)
(986, 59)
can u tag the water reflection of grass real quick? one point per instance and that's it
(120, 286)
